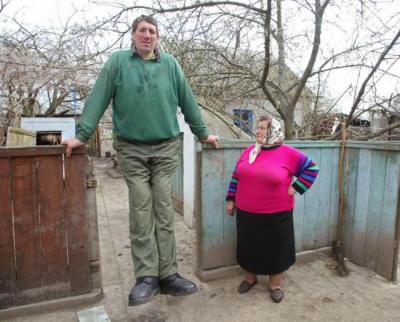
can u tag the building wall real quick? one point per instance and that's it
(260, 107)
(189, 152)
(64, 124)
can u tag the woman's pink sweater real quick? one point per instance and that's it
(262, 187)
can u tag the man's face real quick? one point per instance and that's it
(145, 38)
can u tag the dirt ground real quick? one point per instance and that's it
(313, 290)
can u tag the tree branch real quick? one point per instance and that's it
(379, 133)
(367, 79)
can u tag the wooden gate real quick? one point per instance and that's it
(44, 251)
(372, 189)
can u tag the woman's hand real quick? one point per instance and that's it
(230, 207)
(291, 191)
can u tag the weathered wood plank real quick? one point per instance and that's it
(212, 194)
(78, 251)
(231, 143)
(27, 230)
(387, 253)
(93, 237)
(36, 151)
(311, 207)
(298, 221)
(177, 181)
(375, 204)
(361, 207)
(378, 145)
(350, 173)
(321, 191)
(7, 263)
(229, 232)
(53, 232)
(334, 195)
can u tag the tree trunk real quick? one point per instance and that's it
(289, 127)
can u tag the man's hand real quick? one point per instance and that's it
(71, 144)
(230, 207)
(211, 139)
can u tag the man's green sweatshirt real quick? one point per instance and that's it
(145, 95)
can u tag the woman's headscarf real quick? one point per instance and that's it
(274, 136)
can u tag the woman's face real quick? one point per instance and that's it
(262, 128)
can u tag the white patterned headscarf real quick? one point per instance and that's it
(274, 136)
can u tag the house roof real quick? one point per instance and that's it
(222, 125)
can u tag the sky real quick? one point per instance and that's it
(45, 12)
(55, 12)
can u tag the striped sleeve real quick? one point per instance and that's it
(232, 187)
(306, 174)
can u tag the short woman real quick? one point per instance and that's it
(262, 193)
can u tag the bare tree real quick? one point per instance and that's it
(274, 53)
(3, 5)
(248, 49)
(46, 71)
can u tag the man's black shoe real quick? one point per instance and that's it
(176, 285)
(144, 290)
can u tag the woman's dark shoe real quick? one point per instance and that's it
(176, 285)
(245, 286)
(144, 290)
(276, 295)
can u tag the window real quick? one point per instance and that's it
(244, 119)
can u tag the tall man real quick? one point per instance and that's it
(146, 86)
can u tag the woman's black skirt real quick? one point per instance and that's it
(265, 242)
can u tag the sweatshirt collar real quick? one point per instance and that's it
(156, 54)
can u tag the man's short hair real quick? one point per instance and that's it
(149, 19)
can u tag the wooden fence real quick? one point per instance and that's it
(177, 183)
(44, 226)
(372, 185)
